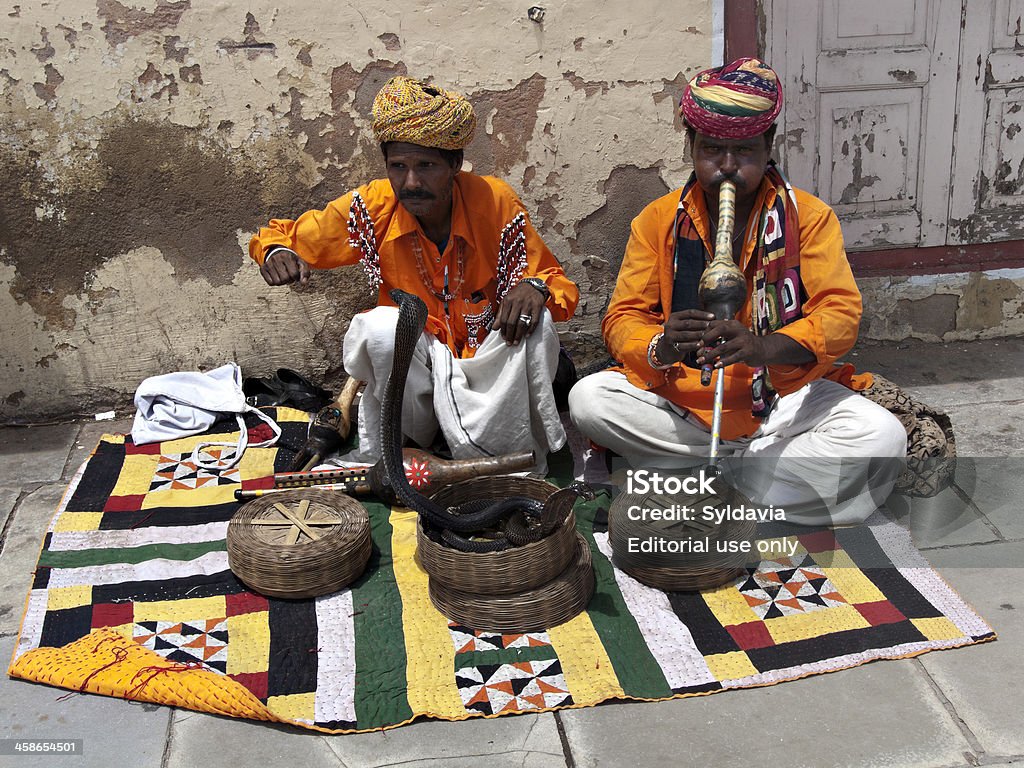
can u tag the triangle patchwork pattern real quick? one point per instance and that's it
(204, 641)
(467, 640)
(514, 687)
(176, 471)
(787, 586)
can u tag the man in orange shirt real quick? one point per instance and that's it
(801, 314)
(483, 368)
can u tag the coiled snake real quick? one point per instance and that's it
(516, 520)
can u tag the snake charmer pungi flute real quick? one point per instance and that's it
(722, 291)
(425, 472)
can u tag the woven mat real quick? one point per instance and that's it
(133, 598)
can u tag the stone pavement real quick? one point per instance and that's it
(948, 708)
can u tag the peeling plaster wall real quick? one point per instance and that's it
(954, 307)
(141, 142)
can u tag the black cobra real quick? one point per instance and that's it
(518, 519)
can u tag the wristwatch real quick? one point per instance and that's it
(539, 284)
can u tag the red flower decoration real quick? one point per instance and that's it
(418, 473)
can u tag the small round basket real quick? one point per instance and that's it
(678, 555)
(494, 573)
(299, 544)
(532, 610)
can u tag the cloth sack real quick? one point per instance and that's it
(184, 403)
(931, 445)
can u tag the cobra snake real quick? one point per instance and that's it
(518, 519)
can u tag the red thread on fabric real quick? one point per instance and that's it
(140, 522)
(120, 654)
(157, 670)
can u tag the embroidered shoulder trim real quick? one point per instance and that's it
(362, 238)
(511, 254)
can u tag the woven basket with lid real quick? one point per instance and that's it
(299, 544)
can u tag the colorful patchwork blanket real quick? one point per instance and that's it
(133, 598)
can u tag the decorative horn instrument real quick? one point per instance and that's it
(722, 291)
(426, 473)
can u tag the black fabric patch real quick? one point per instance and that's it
(293, 647)
(212, 585)
(708, 633)
(98, 480)
(848, 641)
(65, 626)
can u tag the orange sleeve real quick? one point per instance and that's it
(832, 309)
(636, 312)
(320, 238)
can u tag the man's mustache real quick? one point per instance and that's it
(415, 194)
(735, 179)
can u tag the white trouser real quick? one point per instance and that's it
(499, 401)
(825, 455)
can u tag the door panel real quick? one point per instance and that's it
(862, 128)
(987, 201)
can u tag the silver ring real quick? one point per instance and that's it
(525, 320)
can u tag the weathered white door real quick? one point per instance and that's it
(988, 173)
(870, 89)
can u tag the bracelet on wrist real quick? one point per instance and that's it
(652, 354)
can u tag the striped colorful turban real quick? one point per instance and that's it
(411, 111)
(737, 101)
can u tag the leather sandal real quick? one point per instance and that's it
(300, 391)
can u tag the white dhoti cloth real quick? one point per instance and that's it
(824, 456)
(498, 401)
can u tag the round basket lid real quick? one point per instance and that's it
(691, 534)
(301, 543)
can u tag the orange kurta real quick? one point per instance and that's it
(491, 247)
(643, 298)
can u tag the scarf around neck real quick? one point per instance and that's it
(778, 291)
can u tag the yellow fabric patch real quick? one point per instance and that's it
(938, 628)
(78, 521)
(105, 663)
(182, 610)
(249, 637)
(801, 626)
(191, 497)
(254, 464)
(586, 667)
(729, 606)
(59, 598)
(296, 706)
(136, 475)
(290, 415)
(430, 651)
(127, 631)
(848, 579)
(730, 666)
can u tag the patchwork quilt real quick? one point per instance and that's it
(133, 597)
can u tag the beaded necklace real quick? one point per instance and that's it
(446, 295)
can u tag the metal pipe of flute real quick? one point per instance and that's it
(722, 291)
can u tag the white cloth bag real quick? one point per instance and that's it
(185, 403)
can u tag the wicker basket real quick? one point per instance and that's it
(495, 573)
(533, 610)
(681, 571)
(277, 557)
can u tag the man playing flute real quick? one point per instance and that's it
(819, 450)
